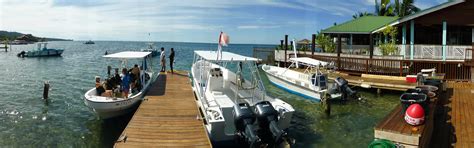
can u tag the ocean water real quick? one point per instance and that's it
(26, 120)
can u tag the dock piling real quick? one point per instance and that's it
(46, 89)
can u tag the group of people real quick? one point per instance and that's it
(128, 78)
(163, 59)
(119, 83)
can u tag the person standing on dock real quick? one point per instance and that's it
(171, 60)
(163, 60)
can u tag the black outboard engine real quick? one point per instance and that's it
(267, 118)
(243, 121)
(342, 86)
(21, 54)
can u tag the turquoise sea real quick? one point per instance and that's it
(26, 120)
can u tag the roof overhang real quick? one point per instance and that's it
(128, 55)
(421, 13)
(226, 56)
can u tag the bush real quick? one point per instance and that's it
(388, 48)
(325, 43)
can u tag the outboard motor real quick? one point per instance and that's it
(267, 118)
(342, 86)
(243, 121)
(21, 54)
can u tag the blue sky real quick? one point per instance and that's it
(246, 21)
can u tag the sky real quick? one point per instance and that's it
(245, 21)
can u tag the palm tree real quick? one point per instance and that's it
(384, 8)
(406, 7)
(361, 14)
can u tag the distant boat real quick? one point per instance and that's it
(89, 42)
(150, 48)
(41, 51)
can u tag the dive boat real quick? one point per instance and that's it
(116, 105)
(150, 48)
(311, 83)
(89, 42)
(234, 102)
(41, 51)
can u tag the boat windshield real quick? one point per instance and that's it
(244, 68)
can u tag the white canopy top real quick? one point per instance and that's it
(226, 56)
(128, 55)
(308, 61)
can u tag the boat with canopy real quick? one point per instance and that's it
(111, 103)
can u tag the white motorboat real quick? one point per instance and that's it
(116, 105)
(152, 49)
(311, 83)
(41, 51)
(234, 102)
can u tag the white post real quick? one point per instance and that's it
(294, 50)
(350, 44)
(412, 39)
(472, 38)
(444, 40)
(404, 40)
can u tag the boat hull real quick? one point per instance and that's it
(111, 109)
(292, 88)
(43, 53)
(295, 87)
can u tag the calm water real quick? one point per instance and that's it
(27, 120)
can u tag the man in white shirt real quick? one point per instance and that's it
(163, 60)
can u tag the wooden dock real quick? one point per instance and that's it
(375, 81)
(451, 124)
(394, 128)
(462, 114)
(168, 117)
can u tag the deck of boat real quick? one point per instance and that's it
(168, 117)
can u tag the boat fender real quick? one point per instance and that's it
(415, 115)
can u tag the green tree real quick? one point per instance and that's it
(361, 14)
(325, 43)
(390, 47)
(384, 8)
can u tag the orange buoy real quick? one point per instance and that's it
(415, 114)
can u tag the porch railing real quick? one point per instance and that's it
(435, 52)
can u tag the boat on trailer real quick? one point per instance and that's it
(311, 83)
(234, 102)
(116, 105)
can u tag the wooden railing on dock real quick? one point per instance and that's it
(168, 117)
(454, 70)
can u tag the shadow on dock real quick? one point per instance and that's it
(158, 87)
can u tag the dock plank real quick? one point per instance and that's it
(168, 117)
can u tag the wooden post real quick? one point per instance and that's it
(339, 50)
(291, 48)
(46, 90)
(313, 45)
(371, 46)
(279, 52)
(286, 48)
